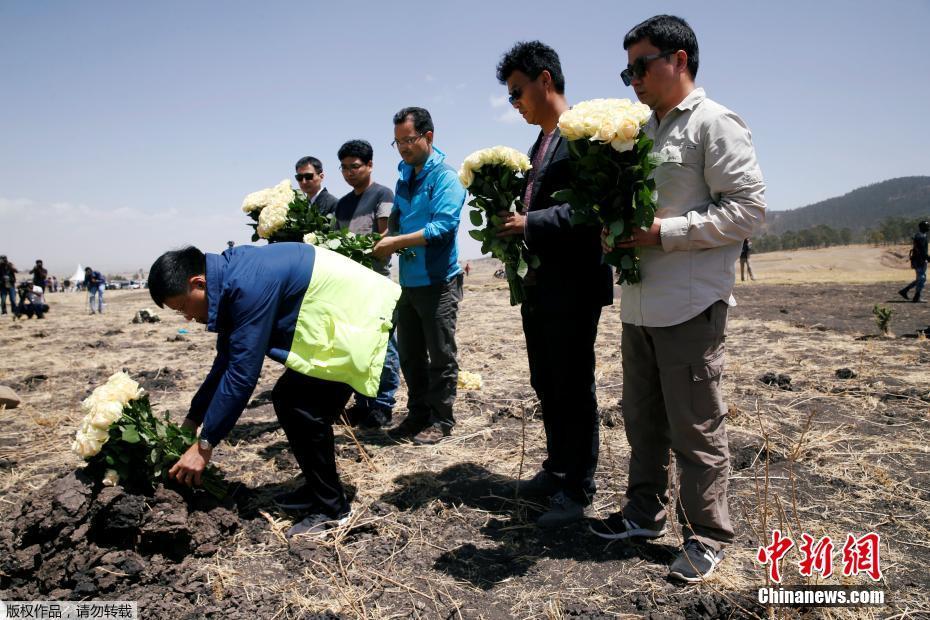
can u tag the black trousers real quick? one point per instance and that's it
(426, 319)
(306, 408)
(560, 348)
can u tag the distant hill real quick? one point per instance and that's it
(860, 209)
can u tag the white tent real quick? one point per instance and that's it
(78, 276)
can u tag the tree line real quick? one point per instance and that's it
(889, 231)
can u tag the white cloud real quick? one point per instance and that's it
(119, 239)
(498, 102)
(509, 117)
(429, 77)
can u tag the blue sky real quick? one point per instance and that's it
(128, 128)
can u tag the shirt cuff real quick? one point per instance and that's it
(673, 233)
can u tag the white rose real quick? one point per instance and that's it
(272, 218)
(310, 238)
(110, 478)
(86, 447)
(255, 200)
(105, 414)
(124, 388)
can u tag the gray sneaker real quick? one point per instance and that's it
(317, 524)
(563, 510)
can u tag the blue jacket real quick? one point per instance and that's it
(431, 202)
(94, 280)
(313, 310)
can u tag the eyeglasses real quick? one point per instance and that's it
(640, 66)
(350, 167)
(307, 176)
(515, 95)
(406, 141)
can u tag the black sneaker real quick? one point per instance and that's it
(541, 486)
(903, 293)
(433, 434)
(563, 510)
(298, 499)
(407, 430)
(376, 418)
(695, 563)
(617, 527)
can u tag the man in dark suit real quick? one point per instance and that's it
(310, 178)
(564, 295)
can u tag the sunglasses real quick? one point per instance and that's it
(640, 66)
(307, 176)
(515, 95)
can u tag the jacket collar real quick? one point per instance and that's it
(216, 276)
(406, 170)
(693, 100)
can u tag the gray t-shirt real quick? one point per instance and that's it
(360, 214)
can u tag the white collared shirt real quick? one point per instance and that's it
(710, 197)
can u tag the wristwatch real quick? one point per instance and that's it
(204, 444)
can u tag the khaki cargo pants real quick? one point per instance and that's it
(672, 401)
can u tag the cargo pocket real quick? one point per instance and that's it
(706, 397)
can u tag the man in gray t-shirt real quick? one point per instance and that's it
(367, 207)
(364, 210)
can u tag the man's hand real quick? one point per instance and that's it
(639, 238)
(190, 466)
(384, 248)
(514, 224)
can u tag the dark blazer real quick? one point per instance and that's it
(572, 271)
(326, 202)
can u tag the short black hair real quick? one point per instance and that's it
(311, 161)
(356, 148)
(422, 121)
(87, 269)
(667, 32)
(924, 226)
(532, 58)
(170, 272)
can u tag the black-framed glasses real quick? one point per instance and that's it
(306, 176)
(351, 167)
(640, 66)
(406, 141)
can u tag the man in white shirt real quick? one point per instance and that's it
(710, 198)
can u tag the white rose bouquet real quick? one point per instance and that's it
(123, 441)
(612, 184)
(281, 213)
(495, 177)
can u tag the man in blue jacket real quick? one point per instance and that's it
(279, 301)
(428, 203)
(95, 284)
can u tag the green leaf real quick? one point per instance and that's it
(522, 268)
(533, 261)
(130, 434)
(616, 228)
(626, 262)
(477, 235)
(564, 195)
(476, 218)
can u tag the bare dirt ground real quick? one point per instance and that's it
(436, 533)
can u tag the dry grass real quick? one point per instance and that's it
(853, 264)
(831, 457)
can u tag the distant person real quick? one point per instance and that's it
(744, 261)
(919, 257)
(31, 302)
(322, 315)
(428, 201)
(711, 198)
(467, 269)
(39, 277)
(310, 178)
(229, 246)
(7, 284)
(365, 210)
(95, 284)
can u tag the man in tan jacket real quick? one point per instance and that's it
(710, 198)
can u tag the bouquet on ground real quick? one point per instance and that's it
(281, 213)
(495, 177)
(612, 185)
(123, 441)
